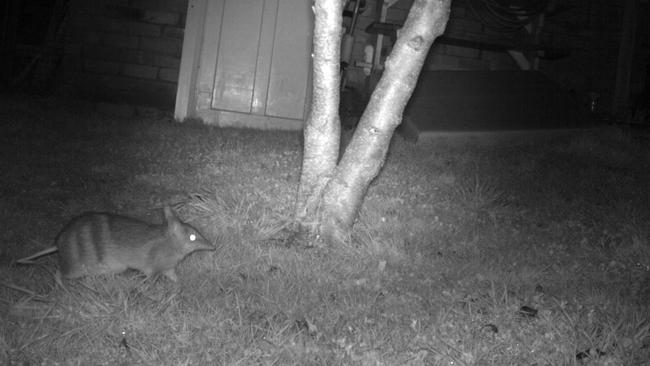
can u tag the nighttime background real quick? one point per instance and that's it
(509, 225)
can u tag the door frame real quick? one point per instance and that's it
(186, 89)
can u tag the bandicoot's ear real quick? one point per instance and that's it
(170, 216)
(173, 223)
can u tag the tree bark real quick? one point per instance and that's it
(339, 189)
(322, 129)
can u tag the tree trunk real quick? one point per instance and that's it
(323, 126)
(341, 189)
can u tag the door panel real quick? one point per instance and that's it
(291, 60)
(264, 57)
(237, 56)
(255, 62)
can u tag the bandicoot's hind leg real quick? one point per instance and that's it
(59, 281)
(171, 274)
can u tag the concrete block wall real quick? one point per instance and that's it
(441, 57)
(590, 30)
(124, 51)
(580, 28)
(128, 51)
(463, 25)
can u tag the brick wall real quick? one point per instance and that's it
(124, 51)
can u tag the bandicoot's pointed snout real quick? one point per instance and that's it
(195, 241)
(206, 246)
(203, 244)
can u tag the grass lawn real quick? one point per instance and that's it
(468, 251)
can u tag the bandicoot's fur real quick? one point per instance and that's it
(99, 243)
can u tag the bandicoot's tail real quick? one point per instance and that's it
(30, 259)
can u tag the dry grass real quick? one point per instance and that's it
(511, 252)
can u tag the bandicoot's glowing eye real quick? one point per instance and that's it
(192, 237)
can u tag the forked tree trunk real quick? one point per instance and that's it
(330, 195)
(323, 127)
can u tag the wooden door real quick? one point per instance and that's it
(253, 68)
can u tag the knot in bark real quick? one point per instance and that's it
(416, 43)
